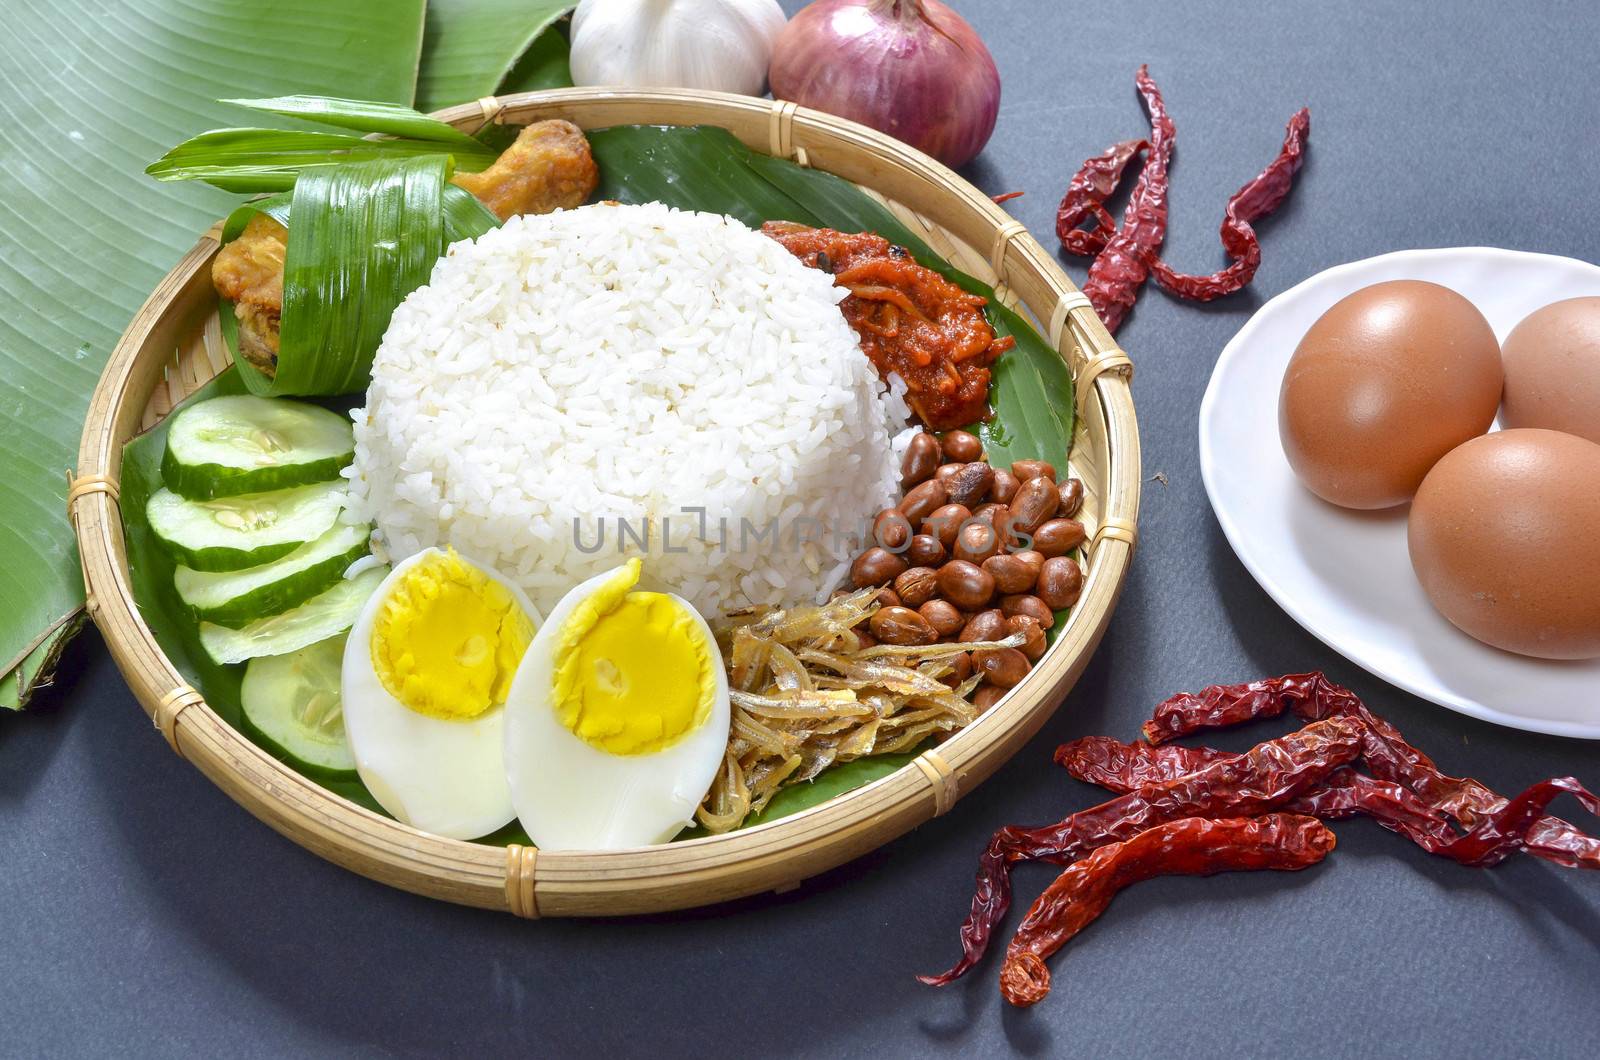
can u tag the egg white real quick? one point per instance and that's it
(442, 776)
(572, 796)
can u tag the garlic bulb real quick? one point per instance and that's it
(720, 45)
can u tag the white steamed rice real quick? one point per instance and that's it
(566, 371)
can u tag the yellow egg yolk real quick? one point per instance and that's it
(447, 638)
(633, 672)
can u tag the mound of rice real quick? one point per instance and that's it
(574, 388)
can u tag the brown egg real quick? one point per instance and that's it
(1385, 383)
(1552, 364)
(1503, 535)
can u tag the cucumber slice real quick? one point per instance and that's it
(247, 444)
(231, 533)
(292, 707)
(232, 598)
(325, 615)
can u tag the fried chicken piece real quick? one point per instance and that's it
(249, 273)
(548, 167)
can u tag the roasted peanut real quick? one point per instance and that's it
(1034, 560)
(1004, 486)
(976, 542)
(993, 513)
(971, 484)
(900, 625)
(945, 522)
(923, 499)
(1057, 537)
(1071, 492)
(965, 584)
(985, 625)
(1026, 469)
(961, 447)
(864, 639)
(925, 550)
(987, 696)
(886, 598)
(921, 460)
(1011, 575)
(1032, 606)
(1060, 582)
(916, 586)
(876, 566)
(891, 529)
(1034, 646)
(1004, 667)
(946, 472)
(943, 616)
(1034, 504)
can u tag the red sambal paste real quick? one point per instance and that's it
(911, 321)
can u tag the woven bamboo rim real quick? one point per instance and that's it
(143, 380)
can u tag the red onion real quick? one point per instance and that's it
(911, 68)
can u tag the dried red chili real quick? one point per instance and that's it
(1260, 780)
(1312, 696)
(1120, 269)
(1125, 257)
(1190, 846)
(1307, 774)
(1250, 203)
(1123, 767)
(1085, 199)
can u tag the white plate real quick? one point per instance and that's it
(1345, 575)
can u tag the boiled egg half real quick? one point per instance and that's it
(617, 721)
(426, 673)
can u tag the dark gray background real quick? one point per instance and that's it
(141, 910)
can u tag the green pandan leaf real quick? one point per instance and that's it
(361, 116)
(254, 160)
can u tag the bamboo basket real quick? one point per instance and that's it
(143, 380)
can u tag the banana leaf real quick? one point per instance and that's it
(546, 64)
(474, 47)
(35, 671)
(92, 91)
